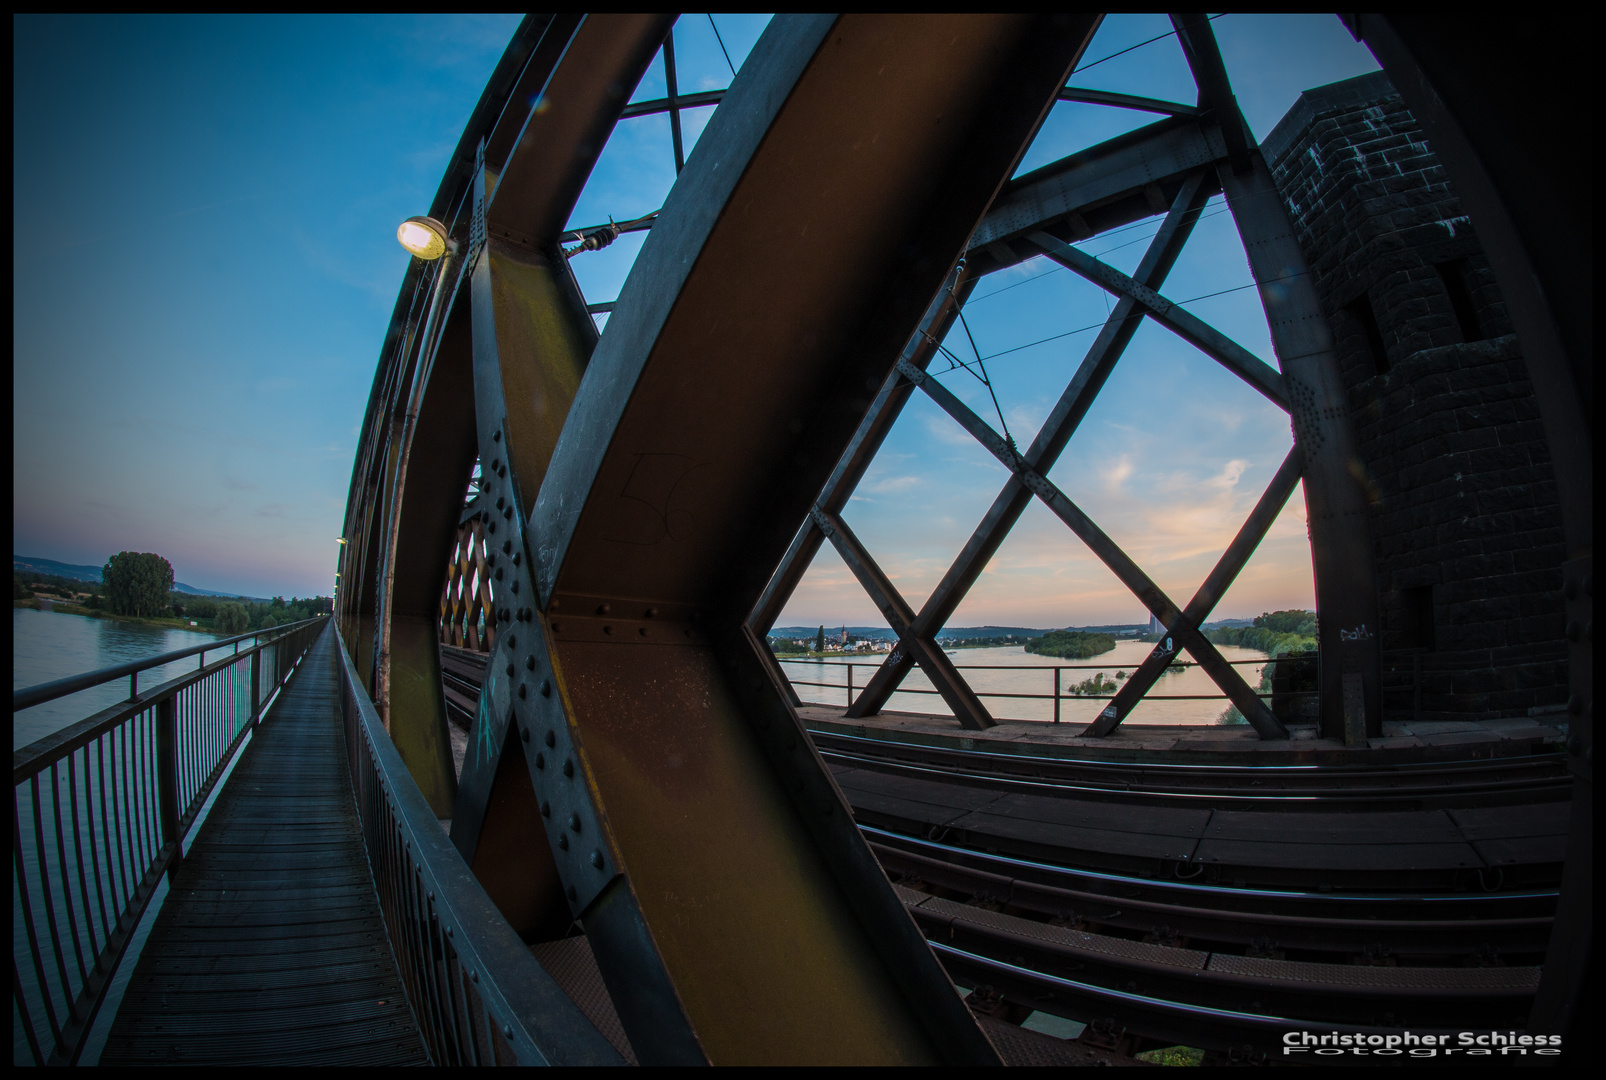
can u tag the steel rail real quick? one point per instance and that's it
(150, 764)
(1174, 772)
(1291, 799)
(1238, 1031)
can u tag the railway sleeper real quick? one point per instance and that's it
(1504, 931)
(1081, 975)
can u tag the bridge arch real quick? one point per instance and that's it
(660, 485)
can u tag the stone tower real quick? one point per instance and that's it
(1465, 523)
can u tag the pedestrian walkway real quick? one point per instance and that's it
(270, 948)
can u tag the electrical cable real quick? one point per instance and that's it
(1139, 45)
(721, 44)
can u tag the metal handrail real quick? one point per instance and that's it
(30, 696)
(1057, 696)
(137, 774)
(478, 994)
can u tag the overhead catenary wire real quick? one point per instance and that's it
(1131, 48)
(955, 362)
(721, 41)
(1146, 223)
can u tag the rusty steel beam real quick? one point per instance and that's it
(1204, 601)
(861, 450)
(654, 540)
(1126, 101)
(1051, 440)
(531, 342)
(1101, 188)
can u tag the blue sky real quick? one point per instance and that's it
(204, 264)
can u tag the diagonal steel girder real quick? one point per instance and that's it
(1051, 440)
(850, 468)
(861, 450)
(728, 895)
(1186, 325)
(1110, 553)
(895, 609)
(1337, 506)
(1204, 601)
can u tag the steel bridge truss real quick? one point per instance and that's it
(637, 762)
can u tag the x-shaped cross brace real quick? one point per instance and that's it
(1137, 297)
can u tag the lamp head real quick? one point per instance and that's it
(425, 238)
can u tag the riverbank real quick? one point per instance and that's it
(64, 607)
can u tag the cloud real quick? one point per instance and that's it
(1229, 475)
(1117, 474)
(236, 484)
(890, 485)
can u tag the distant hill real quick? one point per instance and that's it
(92, 573)
(882, 633)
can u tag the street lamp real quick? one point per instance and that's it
(425, 237)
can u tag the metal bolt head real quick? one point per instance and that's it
(540, 760)
(522, 688)
(551, 739)
(568, 766)
(525, 735)
(596, 859)
(507, 1031)
(529, 663)
(510, 667)
(563, 841)
(573, 896)
(574, 823)
(546, 690)
(546, 809)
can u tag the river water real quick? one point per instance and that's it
(988, 672)
(49, 645)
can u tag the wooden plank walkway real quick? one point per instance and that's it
(270, 949)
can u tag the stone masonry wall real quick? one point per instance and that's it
(1465, 524)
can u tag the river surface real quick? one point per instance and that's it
(50, 645)
(988, 673)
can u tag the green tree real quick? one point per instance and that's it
(231, 618)
(819, 640)
(1294, 621)
(1070, 644)
(137, 583)
(19, 589)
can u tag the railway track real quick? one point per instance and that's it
(1213, 905)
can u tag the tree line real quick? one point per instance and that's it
(140, 584)
(1275, 633)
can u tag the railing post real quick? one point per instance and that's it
(167, 777)
(1057, 695)
(850, 686)
(256, 687)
